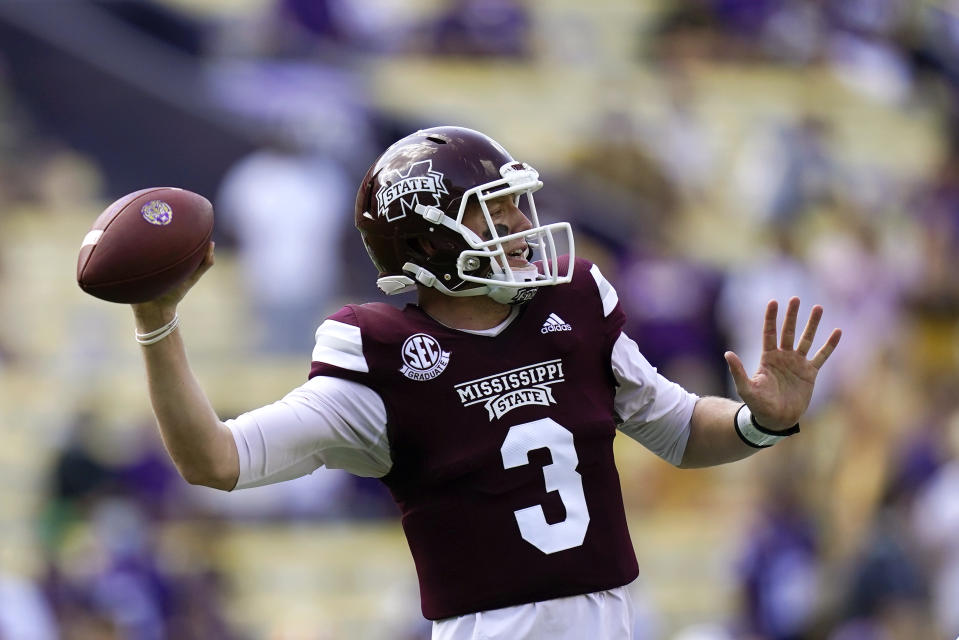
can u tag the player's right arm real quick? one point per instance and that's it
(201, 446)
(327, 421)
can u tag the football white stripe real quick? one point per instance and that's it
(91, 238)
(341, 345)
(606, 291)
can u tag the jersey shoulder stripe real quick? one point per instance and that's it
(606, 291)
(340, 345)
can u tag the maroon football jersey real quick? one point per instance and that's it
(502, 448)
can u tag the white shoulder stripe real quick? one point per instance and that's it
(606, 291)
(341, 345)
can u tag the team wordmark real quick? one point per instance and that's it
(500, 393)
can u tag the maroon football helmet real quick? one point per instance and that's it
(420, 187)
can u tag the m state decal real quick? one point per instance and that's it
(502, 392)
(419, 179)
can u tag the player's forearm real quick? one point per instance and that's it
(712, 438)
(200, 445)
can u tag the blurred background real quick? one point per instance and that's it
(711, 154)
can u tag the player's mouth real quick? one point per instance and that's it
(517, 257)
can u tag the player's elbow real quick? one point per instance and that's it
(690, 462)
(208, 477)
(212, 462)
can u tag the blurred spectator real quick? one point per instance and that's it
(79, 476)
(670, 302)
(147, 476)
(865, 286)
(887, 593)
(25, 613)
(681, 137)
(785, 169)
(92, 466)
(109, 581)
(682, 33)
(776, 271)
(481, 29)
(794, 32)
(613, 162)
(936, 521)
(863, 50)
(287, 206)
(779, 561)
(937, 208)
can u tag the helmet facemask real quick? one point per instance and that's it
(485, 263)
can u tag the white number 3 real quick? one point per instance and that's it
(560, 476)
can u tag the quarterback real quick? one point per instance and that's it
(489, 407)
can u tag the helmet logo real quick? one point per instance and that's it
(419, 178)
(423, 357)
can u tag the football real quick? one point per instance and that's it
(144, 244)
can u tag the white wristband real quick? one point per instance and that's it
(755, 435)
(155, 336)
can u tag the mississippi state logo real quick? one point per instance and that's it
(423, 358)
(157, 212)
(419, 180)
(500, 393)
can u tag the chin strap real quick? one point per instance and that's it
(516, 295)
(504, 295)
(512, 296)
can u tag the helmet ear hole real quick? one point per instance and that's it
(423, 245)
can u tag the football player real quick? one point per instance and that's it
(489, 407)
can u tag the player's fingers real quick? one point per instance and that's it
(826, 350)
(809, 333)
(788, 337)
(209, 258)
(769, 326)
(207, 261)
(202, 268)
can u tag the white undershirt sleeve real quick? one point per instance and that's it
(325, 422)
(651, 409)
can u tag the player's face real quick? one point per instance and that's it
(507, 218)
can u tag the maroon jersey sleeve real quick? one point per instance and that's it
(502, 447)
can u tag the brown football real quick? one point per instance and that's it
(144, 244)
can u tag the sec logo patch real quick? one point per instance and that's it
(423, 357)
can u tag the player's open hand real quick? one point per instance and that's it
(780, 390)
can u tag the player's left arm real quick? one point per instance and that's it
(775, 396)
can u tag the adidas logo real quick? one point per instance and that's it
(555, 323)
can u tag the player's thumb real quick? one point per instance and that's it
(737, 370)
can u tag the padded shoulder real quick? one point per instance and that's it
(339, 342)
